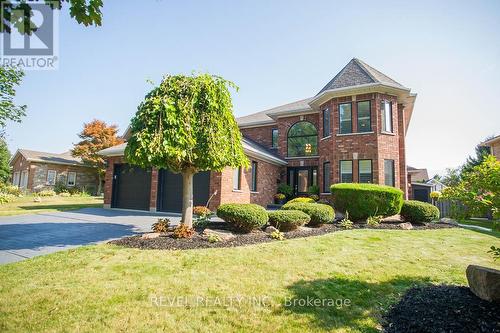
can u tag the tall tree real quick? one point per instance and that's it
(4, 161)
(186, 125)
(10, 77)
(96, 136)
(19, 15)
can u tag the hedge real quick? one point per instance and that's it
(319, 213)
(287, 220)
(243, 217)
(365, 200)
(418, 212)
(302, 199)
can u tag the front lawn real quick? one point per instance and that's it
(26, 205)
(252, 288)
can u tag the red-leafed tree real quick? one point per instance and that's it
(96, 135)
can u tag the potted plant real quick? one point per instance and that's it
(279, 198)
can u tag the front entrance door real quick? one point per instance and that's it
(301, 178)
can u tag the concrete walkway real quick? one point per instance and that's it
(26, 236)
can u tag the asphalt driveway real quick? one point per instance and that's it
(26, 236)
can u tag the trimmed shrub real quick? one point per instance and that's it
(46, 193)
(319, 213)
(287, 220)
(302, 199)
(418, 212)
(365, 200)
(244, 217)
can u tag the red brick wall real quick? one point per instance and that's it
(262, 134)
(267, 182)
(108, 178)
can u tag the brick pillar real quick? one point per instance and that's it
(154, 190)
(215, 187)
(108, 181)
(402, 150)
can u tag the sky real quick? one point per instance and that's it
(448, 52)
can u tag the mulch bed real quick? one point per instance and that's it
(199, 241)
(442, 308)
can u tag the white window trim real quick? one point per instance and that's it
(55, 177)
(74, 181)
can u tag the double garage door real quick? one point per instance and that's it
(132, 189)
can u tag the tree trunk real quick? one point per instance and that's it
(187, 198)
(99, 184)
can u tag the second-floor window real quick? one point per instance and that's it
(274, 138)
(386, 110)
(364, 117)
(302, 140)
(326, 123)
(345, 118)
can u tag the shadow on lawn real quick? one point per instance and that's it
(367, 300)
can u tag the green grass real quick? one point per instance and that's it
(108, 288)
(26, 205)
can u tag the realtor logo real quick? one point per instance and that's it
(37, 49)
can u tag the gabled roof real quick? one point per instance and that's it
(44, 157)
(491, 141)
(357, 73)
(250, 147)
(418, 175)
(265, 117)
(355, 78)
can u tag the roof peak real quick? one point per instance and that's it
(356, 72)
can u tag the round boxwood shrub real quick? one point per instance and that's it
(243, 217)
(319, 213)
(287, 220)
(365, 200)
(302, 199)
(418, 212)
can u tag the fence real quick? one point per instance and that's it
(444, 208)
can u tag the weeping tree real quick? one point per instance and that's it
(186, 125)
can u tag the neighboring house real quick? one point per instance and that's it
(417, 175)
(420, 186)
(352, 130)
(494, 145)
(35, 170)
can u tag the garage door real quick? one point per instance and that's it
(131, 187)
(170, 190)
(421, 195)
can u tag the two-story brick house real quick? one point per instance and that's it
(352, 130)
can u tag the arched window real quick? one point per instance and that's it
(302, 139)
